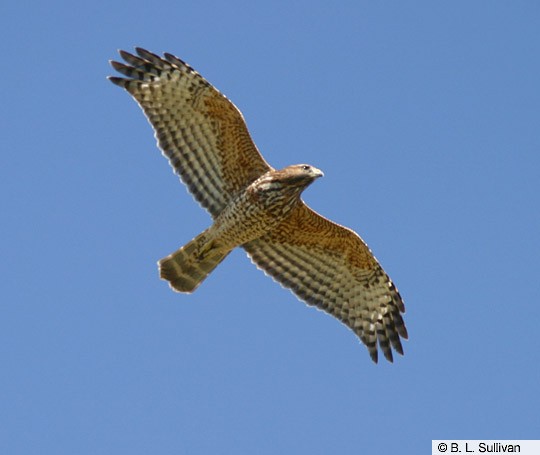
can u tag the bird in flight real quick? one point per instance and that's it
(256, 207)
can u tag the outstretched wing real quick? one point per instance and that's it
(329, 266)
(199, 130)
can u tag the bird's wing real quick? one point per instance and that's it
(199, 130)
(329, 266)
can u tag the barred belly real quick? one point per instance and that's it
(252, 214)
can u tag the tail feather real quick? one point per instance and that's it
(186, 268)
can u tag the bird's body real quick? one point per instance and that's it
(263, 205)
(256, 207)
(257, 210)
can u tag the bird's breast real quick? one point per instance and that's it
(251, 215)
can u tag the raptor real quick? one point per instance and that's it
(256, 207)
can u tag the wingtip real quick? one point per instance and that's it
(146, 54)
(115, 64)
(374, 356)
(399, 349)
(403, 333)
(388, 356)
(125, 54)
(120, 81)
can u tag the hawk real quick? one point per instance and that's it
(255, 206)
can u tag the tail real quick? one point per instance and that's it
(186, 268)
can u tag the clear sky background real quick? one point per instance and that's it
(425, 118)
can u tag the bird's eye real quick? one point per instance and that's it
(305, 167)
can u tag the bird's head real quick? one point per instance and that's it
(298, 175)
(288, 182)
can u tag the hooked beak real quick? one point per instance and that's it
(317, 172)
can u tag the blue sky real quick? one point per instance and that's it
(424, 117)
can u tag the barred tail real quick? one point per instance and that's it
(186, 268)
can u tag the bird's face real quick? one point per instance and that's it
(287, 183)
(298, 175)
